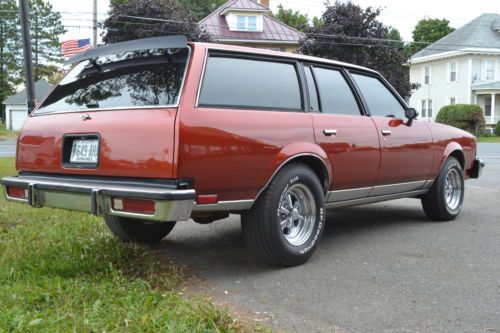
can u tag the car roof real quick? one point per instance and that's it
(265, 52)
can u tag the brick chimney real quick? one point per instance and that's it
(264, 3)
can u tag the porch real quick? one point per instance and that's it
(487, 96)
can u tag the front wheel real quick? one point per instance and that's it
(285, 225)
(444, 200)
(141, 231)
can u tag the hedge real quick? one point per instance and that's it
(469, 117)
(497, 128)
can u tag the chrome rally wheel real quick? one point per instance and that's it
(297, 214)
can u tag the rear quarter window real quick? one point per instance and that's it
(250, 84)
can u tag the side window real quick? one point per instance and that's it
(246, 83)
(380, 100)
(311, 87)
(336, 95)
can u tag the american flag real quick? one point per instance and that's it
(74, 46)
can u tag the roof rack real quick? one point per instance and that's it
(133, 45)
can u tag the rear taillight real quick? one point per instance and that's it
(134, 206)
(17, 192)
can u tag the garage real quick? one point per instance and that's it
(16, 109)
(17, 118)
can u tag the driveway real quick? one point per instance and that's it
(379, 268)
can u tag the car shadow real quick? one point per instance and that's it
(218, 248)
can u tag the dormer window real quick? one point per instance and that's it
(246, 23)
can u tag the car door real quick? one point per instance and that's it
(406, 151)
(347, 135)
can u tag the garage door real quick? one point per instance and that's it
(17, 119)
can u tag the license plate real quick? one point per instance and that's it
(84, 151)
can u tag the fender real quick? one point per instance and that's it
(293, 152)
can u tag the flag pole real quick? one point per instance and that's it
(28, 58)
(94, 27)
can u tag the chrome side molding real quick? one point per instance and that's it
(379, 198)
(235, 205)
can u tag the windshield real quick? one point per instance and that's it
(131, 79)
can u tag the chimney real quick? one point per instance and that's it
(265, 3)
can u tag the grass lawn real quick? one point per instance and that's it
(62, 271)
(490, 139)
(5, 133)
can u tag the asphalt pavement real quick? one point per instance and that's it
(7, 147)
(379, 268)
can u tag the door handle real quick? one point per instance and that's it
(386, 132)
(330, 132)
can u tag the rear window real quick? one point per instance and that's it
(132, 79)
(250, 84)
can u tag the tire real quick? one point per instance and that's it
(140, 231)
(444, 200)
(286, 237)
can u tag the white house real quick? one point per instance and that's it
(16, 107)
(462, 67)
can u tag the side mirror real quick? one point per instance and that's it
(411, 114)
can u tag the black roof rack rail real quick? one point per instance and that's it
(132, 45)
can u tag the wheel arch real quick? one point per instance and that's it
(317, 160)
(453, 149)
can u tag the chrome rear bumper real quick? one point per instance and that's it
(95, 195)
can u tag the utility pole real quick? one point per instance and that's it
(95, 24)
(28, 58)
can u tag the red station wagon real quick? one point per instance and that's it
(154, 131)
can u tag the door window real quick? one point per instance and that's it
(379, 99)
(335, 94)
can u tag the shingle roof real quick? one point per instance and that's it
(42, 88)
(274, 30)
(482, 32)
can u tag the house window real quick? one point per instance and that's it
(487, 107)
(426, 108)
(246, 23)
(427, 75)
(490, 69)
(453, 72)
(453, 100)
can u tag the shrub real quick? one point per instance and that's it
(469, 117)
(497, 128)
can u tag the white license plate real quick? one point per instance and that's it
(84, 151)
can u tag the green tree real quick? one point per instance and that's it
(201, 8)
(352, 34)
(10, 49)
(46, 27)
(428, 31)
(165, 17)
(292, 18)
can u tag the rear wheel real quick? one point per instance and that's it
(444, 200)
(285, 224)
(141, 231)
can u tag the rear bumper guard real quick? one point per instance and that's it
(171, 204)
